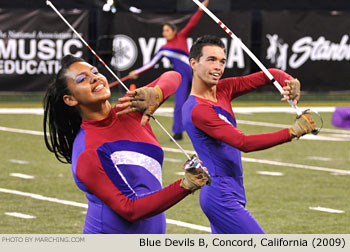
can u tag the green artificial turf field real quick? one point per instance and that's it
(286, 186)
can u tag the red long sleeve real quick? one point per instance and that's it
(236, 86)
(191, 24)
(206, 119)
(168, 82)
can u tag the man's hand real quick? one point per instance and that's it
(292, 91)
(303, 124)
(194, 179)
(133, 75)
(145, 100)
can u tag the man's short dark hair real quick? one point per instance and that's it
(196, 49)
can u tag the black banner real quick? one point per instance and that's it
(313, 46)
(131, 40)
(32, 44)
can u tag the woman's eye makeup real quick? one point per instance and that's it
(80, 78)
(94, 70)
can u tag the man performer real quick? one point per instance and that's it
(211, 125)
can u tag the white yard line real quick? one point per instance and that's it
(20, 215)
(270, 173)
(22, 111)
(190, 152)
(324, 209)
(31, 132)
(307, 167)
(82, 205)
(263, 161)
(41, 197)
(16, 161)
(21, 175)
(173, 160)
(188, 225)
(326, 159)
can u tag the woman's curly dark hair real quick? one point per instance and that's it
(61, 122)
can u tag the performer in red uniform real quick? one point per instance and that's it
(211, 125)
(116, 160)
(176, 50)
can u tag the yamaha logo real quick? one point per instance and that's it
(124, 52)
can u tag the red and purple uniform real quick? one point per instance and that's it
(213, 131)
(176, 50)
(118, 163)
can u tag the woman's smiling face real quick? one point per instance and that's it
(86, 84)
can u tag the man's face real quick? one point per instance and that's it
(210, 66)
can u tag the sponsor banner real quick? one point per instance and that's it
(32, 42)
(132, 40)
(312, 46)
